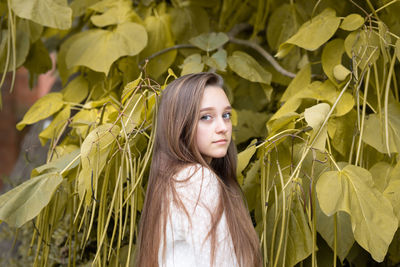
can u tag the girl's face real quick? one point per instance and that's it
(214, 127)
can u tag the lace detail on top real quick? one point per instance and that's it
(185, 242)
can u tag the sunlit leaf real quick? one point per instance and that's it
(340, 72)
(352, 22)
(59, 164)
(352, 190)
(248, 68)
(76, 90)
(363, 46)
(43, 108)
(315, 32)
(50, 13)
(300, 82)
(97, 49)
(113, 12)
(314, 117)
(24, 202)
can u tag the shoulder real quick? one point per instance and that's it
(197, 182)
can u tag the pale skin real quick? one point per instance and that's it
(214, 127)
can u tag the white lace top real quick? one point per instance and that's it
(184, 242)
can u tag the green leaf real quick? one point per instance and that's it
(364, 46)
(188, 21)
(314, 117)
(58, 164)
(251, 186)
(209, 41)
(83, 120)
(79, 6)
(159, 37)
(300, 82)
(381, 174)
(352, 190)
(248, 68)
(132, 112)
(41, 109)
(76, 91)
(38, 60)
(326, 228)
(24, 202)
(63, 70)
(97, 49)
(299, 238)
(341, 131)
(281, 25)
(94, 152)
(374, 131)
(314, 32)
(50, 13)
(352, 22)
(340, 72)
(217, 60)
(250, 124)
(22, 47)
(192, 64)
(331, 57)
(58, 123)
(113, 12)
(245, 156)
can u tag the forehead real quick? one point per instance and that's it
(214, 97)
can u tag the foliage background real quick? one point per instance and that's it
(317, 125)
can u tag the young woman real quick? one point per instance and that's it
(194, 213)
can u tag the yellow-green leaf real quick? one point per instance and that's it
(59, 164)
(375, 133)
(83, 120)
(315, 32)
(281, 25)
(331, 57)
(192, 64)
(131, 116)
(97, 49)
(314, 117)
(210, 41)
(248, 68)
(41, 109)
(217, 60)
(94, 153)
(50, 13)
(189, 21)
(24, 202)
(352, 190)
(58, 123)
(352, 22)
(397, 49)
(364, 46)
(159, 37)
(300, 82)
(340, 72)
(76, 90)
(113, 12)
(245, 156)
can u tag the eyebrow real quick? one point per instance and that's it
(211, 108)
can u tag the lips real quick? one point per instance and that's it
(221, 141)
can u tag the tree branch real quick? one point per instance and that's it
(179, 46)
(265, 54)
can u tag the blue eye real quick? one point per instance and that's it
(227, 115)
(205, 117)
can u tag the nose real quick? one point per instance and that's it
(221, 126)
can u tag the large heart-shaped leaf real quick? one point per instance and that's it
(313, 33)
(50, 13)
(352, 190)
(24, 202)
(248, 68)
(97, 49)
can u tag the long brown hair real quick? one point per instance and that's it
(174, 148)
